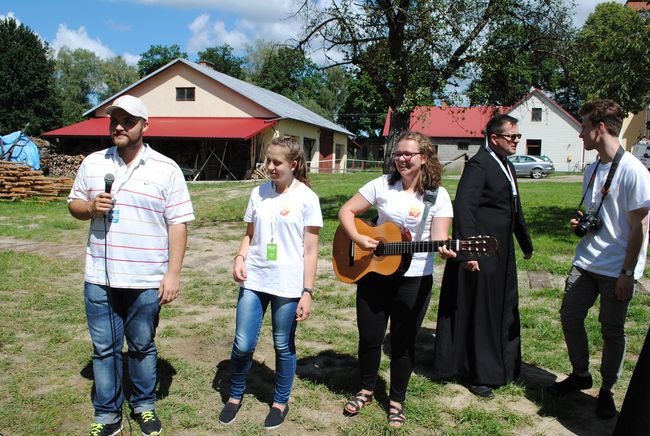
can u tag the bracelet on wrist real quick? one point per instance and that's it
(240, 255)
(309, 291)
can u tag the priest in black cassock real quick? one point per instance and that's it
(477, 336)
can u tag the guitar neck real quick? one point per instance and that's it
(408, 247)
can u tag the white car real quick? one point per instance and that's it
(532, 166)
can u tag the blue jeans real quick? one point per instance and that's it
(250, 312)
(134, 314)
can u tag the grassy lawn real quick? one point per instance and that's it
(46, 377)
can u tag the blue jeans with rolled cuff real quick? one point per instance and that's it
(134, 314)
(251, 307)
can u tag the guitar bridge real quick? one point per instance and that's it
(351, 254)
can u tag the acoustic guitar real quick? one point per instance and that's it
(394, 252)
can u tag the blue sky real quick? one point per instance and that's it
(130, 27)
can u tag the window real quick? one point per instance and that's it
(463, 145)
(185, 94)
(537, 114)
(534, 147)
(309, 146)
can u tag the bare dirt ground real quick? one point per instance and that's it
(213, 256)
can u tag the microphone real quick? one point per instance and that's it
(108, 182)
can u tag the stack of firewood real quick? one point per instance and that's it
(61, 165)
(18, 181)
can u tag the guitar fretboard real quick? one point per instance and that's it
(408, 247)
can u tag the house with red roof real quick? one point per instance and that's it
(212, 124)
(546, 128)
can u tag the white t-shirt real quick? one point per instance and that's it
(604, 252)
(405, 209)
(280, 219)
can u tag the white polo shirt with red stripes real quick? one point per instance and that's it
(133, 240)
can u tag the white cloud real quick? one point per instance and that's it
(10, 14)
(119, 27)
(209, 34)
(585, 7)
(74, 39)
(259, 10)
(130, 59)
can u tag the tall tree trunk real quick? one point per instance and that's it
(399, 122)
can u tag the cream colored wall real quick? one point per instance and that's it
(342, 139)
(301, 131)
(211, 98)
(632, 128)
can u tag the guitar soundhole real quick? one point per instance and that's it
(379, 250)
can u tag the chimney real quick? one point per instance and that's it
(207, 64)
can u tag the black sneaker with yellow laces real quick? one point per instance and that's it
(149, 423)
(98, 429)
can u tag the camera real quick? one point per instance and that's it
(588, 223)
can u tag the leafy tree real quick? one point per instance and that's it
(613, 57)
(27, 92)
(517, 57)
(364, 112)
(223, 60)
(289, 72)
(414, 50)
(157, 56)
(78, 82)
(335, 91)
(116, 75)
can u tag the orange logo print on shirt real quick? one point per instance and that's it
(414, 212)
(285, 211)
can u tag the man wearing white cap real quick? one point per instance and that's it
(139, 206)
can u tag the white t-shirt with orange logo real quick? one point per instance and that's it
(279, 219)
(405, 209)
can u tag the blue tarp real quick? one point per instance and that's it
(24, 149)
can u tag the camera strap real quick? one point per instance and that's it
(610, 175)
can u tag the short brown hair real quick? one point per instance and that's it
(607, 112)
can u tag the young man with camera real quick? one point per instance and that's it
(611, 254)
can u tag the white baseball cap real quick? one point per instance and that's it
(130, 104)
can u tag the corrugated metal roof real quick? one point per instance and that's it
(276, 103)
(449, 121)
(175, 127)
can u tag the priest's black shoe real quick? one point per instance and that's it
(481, 391)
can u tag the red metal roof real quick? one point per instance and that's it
(450, 121)
(175, 127)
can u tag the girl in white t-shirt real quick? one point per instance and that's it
(398, 198)
(276, 264)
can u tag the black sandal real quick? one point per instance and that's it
(396, 416)
(358, 402)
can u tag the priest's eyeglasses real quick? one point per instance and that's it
(510, 138)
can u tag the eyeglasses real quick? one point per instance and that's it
(405, 154)
(127, 123)
(510, 138)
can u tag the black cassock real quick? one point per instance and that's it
(634, 419)
(477, 335)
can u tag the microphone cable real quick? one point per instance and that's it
(109, 292)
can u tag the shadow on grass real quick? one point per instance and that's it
(164, 369)
(260, 382)
(339, 373)
(576, 411)
(550, 220)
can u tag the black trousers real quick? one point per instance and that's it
(403, 300)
